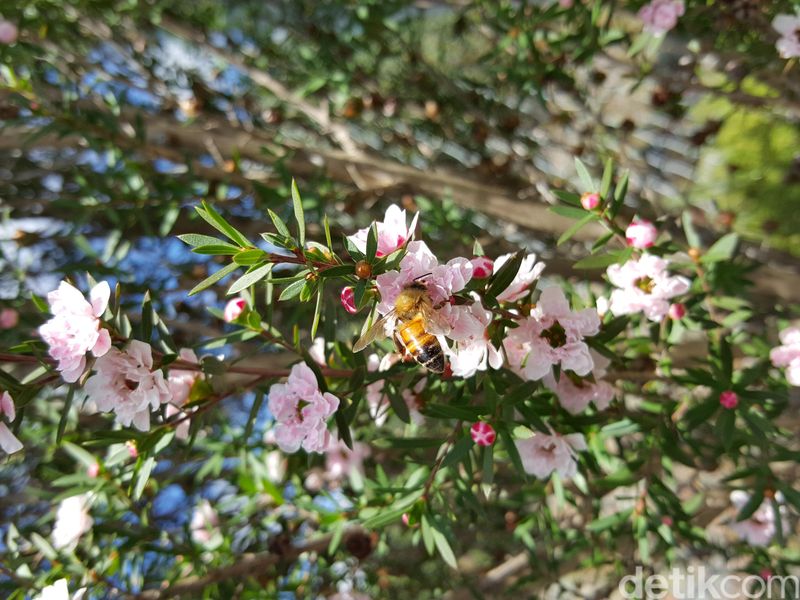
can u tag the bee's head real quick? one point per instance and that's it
(418, 283)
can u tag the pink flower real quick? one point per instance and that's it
(8, 318)
(301, 411)
(482, 267)
(552, 335)
(760, 527)
(75, 328)
(419, 263)
(93, 470)
(205, 523)
(529, 271)
(348, 300)
(126, 384)
(661, 15)
(677, 311)
(233, 309)
(590, 200)
(340, 461)
(392, 232)
(645, 286)
(729, 399)
(788, 354)
(8, 32)
(575, 393)
(72, 521)
(8, 441)
(482, 433)
(788, 26)
(179, 384)
(641, 234)
(472, 351)
(542, 454)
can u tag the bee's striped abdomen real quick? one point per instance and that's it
(420, 344)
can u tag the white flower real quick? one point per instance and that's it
(72, 521)
(205, 524)
(392, 232)
(760, 527)
(472, 350)
(542, 454)
(529, 271)
(126, 384)
(788, 26)
(645, 286)
(59, 591)
(575, 393)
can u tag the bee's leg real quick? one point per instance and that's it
(400, 347)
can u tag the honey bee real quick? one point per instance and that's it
(414, 319)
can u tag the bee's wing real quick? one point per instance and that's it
(435, 323)
(378, 329)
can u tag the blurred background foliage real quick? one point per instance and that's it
(117, 116)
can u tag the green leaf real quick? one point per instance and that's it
(605, 184)
(62, 422)
(251, 419)
(443, 546)
(755, 500)
(317, 313)
(79, 454)
(212, 279)
(688, 228)
(457, 453)
(722, 249)
(249, 257)
(610, 521)
(620, 190)
(249, 278)
(372, 242)
(213, 218)
(427, 534)
(588, 218)
(196, 239)
(338, 271)
(505, 275)
(220, 249)
(583, 173)
(599, 261)
(725, 427)
(298, 213)
(571, 212)
(146, 331)
(568, 197)
(280, 226)
(142, 476)
(292, 290)
(327, 227)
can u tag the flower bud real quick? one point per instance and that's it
(641, 234)
(8, 318)
(677, 311)
(482, 433)
(729, 399)
(363, 269)
(348, 298)
(93, 470)
(8, 32)
(482, 267)
(694, 254)
(233, 309)
(133, 451)
(590, 200)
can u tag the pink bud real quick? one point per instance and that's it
(667, 520)
(677, 311)
(729, 399)
(8, 318)
(233, 309)
(93, 470)
(482, 267)
(566, 4)
(641, 234)
(482, 433)
(590, 200)
(405, 519)
(8, 32)
(348, 299)
(765, 573)
(133, 451)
